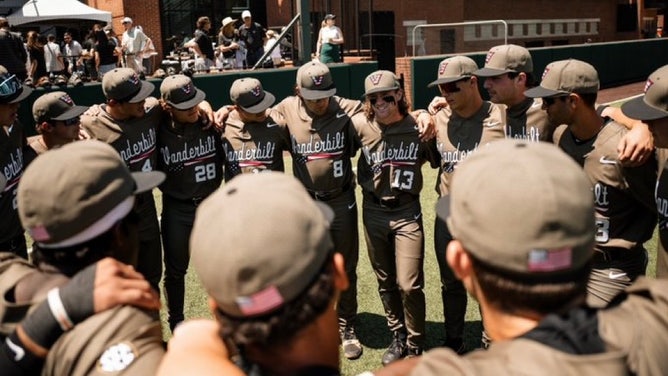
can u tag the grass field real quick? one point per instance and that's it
(372, 329)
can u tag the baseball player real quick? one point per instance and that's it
(275, 303)
(85, 216)
(623, 196)
(191, 157)
(461, 128)
(530, 276)
(128, 122)
(389, 172)
(253, 142)
(12, 161)
(321, 138)
(508, 73)
(651, 109)
(57, 120)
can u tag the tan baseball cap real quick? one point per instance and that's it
(227, 20)
(314, 81)
(454, 69)
(381, 80)
(124, 85)
(565, 77)
(179, 92)
(11, 88)
(654, 104)
(506, 58)
(258, 242)
(248, 94)
(55, 106)
(523, 207)
(77, 192)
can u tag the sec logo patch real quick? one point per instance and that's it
(117, 357)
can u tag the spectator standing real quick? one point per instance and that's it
(330, 38)
(37, 63)
(73, 51)
(55, 63)
(227, 44)
(132, 44)
(201, 44)
(105, 61)
(274, 59)
(252, 34)
(12, 53)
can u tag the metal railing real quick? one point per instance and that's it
(278, 41)
(431, 26)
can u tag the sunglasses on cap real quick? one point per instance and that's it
(9, 85)
(549, 101)
(387, 99)
(451, 87)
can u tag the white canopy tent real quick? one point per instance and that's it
(56, 11)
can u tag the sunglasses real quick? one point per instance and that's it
(387, 99)
(451, 87)
(549, 101)
(9, 86)
(72, 121)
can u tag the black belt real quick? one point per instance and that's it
(391, 202)
(330, 195)
(611, 254)
(195, 201)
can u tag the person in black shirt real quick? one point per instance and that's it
(202, 46)
(252, 35)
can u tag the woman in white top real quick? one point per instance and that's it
(329, 40)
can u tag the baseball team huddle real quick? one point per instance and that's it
(545, 202)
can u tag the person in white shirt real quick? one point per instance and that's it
(330, 38)
(73, 51)
(54, 58)
(133, 43)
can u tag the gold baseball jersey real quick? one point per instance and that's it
(527, 121)
(623, 196)
(391, 157)
(632, 331)
(661, 196)
(120, 341)
(321, 146)
(457, 138)
(253, 147)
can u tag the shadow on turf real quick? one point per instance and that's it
(372, 331)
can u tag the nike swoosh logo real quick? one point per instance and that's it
(613, 275)
(271, 125)
(604, 160)
(417, 216)
(351, 206)
(18, 350)
(340, 115)
(491, 124)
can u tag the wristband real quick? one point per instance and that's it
(15, 360)
(41, 325)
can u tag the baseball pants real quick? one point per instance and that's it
(177, 223)
(345, 233)
(453, 292)
(149, 260)
(611, 274)
(395, 242)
